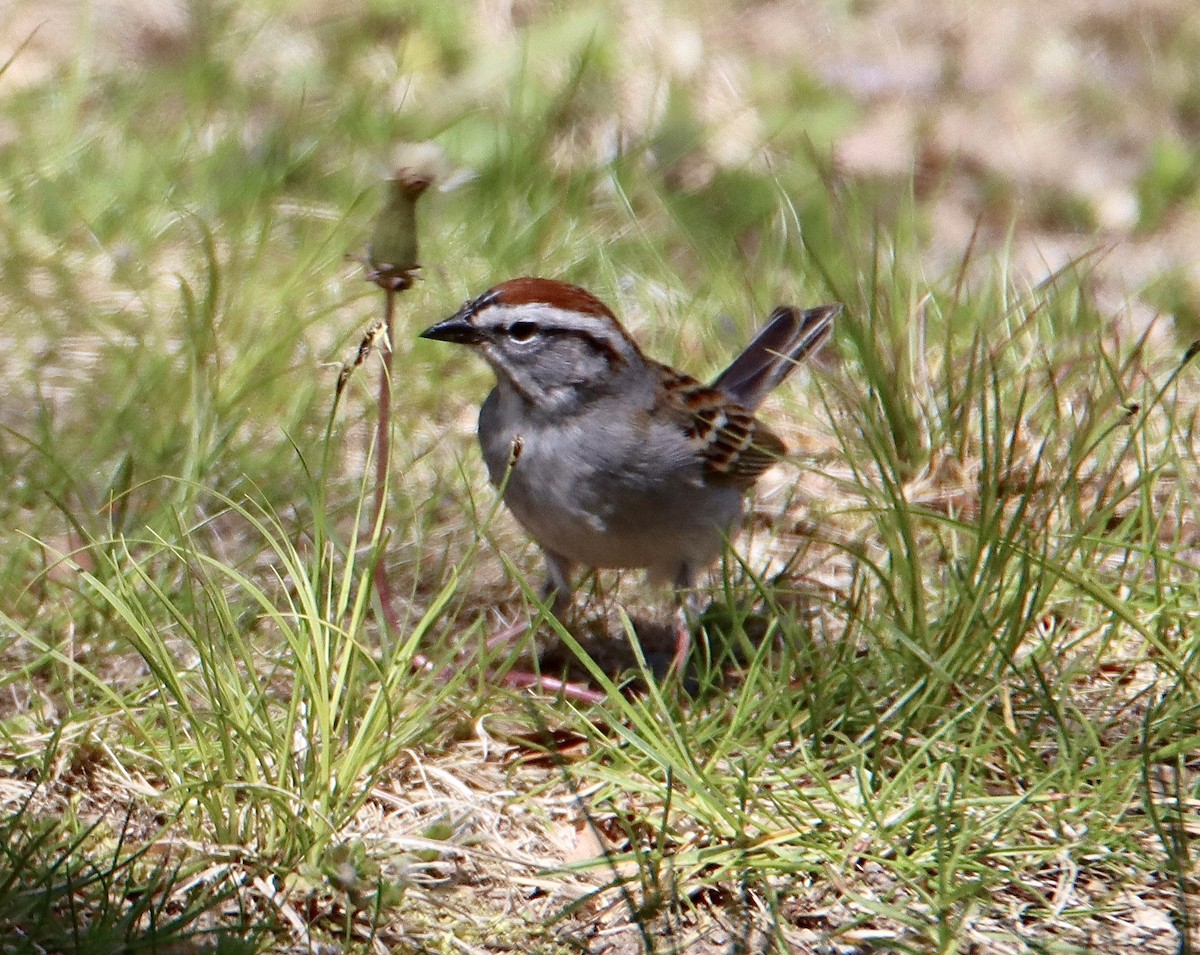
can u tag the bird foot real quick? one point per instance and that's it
(514, 678)
(522, 679)
(517, 679)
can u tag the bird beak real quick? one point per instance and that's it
(457, 328)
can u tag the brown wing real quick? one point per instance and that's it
(735, 446)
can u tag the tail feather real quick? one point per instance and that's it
(789, 336)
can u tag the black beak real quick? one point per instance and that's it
(457, 328)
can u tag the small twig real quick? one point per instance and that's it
(370, 341)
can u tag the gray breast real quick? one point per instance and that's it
(605, 496)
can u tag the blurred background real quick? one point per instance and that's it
(1060, 129)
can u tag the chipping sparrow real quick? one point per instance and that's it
(606, 457)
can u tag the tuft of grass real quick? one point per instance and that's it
(73, 885)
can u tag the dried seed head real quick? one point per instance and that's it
(393, 251)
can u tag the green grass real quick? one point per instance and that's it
(947, 695)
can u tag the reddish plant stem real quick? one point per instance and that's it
(383, 457)
(383, 426)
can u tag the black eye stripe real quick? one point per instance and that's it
(523, 331)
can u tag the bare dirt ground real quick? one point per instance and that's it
(1034, 123)
(1018, 113)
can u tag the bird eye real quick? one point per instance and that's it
(522, 331)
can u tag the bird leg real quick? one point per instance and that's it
(683, 641)
(687, 609)
(556, 591)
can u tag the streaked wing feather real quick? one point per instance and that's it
(735, 446)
